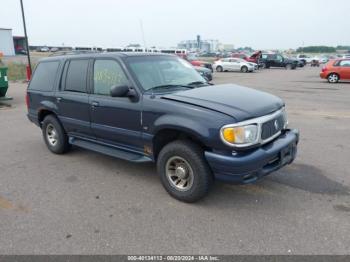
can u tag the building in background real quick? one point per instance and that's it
(6, 42)
(225, 47)
(20, 45)
(199, 45)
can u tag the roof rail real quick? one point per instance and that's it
(74, 52)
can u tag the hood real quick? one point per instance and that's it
(240, 102)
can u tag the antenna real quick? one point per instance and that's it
(143, 34)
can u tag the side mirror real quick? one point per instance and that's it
(124, 91)
(119, 91)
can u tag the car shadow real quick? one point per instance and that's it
(297, 176)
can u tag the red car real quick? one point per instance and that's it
(336, 70)
(202, 64)
(254, 58)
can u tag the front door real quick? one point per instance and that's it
(115, 120)
(345, 69)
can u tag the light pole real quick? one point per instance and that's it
(26, 38)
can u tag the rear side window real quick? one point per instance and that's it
(345, 63)
(44, 76)
(76, 76)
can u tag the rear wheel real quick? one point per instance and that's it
(219, 69)
(333, 78)
(54, 135)
(289, 66)
(244, 69)
(184, 171)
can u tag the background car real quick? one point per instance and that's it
(205, 72)
(233, 64)
(254, 58)
(336, 70)
(304, 58)
(323, 59)
(277, 60)
(201, 63)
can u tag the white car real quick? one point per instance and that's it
(233, 64)
(304, 58)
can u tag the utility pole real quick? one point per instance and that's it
(26, 37)
(143, 34)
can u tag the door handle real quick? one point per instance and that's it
(58, 99)
(94, 104)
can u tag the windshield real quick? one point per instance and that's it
(163, 71)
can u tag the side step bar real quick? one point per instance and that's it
(108, 150)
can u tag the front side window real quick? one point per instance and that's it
(155, 71)
(44, 76)
(76, 76)
(107, 73)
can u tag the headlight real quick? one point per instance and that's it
(240, 135)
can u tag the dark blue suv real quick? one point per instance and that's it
(157, 108)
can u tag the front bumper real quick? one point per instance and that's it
(247, 167)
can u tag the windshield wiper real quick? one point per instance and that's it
(197, 83)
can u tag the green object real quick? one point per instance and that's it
(4, 84)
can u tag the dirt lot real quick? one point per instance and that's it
(88, 203)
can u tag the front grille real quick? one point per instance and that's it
(272, 127)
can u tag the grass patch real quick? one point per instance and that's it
(16, 71)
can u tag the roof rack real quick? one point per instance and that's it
(74, 52)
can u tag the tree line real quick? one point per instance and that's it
(322, 49)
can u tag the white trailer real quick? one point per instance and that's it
(6, 42)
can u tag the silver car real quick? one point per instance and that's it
(233, 64)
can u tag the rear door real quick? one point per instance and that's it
(73, 100)
(114, 120)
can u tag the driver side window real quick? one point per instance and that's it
(107, 73)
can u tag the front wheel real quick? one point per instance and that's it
(184, 171)
(244, 69)
(333, 78)
(219, 69)
(289, 66)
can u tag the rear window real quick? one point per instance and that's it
(44, 76)
(76, 76)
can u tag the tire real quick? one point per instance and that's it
(289, 66)
(263, 65)
(333, 78)
(267, 66)
(244, 69)
(54, 135)
(219, 69)
(183, 170)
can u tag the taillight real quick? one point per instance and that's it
(324, 69)
(27, 100)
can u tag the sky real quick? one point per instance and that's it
(261, 24)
